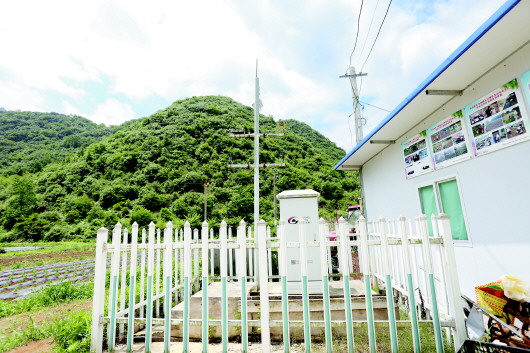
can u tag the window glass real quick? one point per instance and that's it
(428, 204)
(451, 205)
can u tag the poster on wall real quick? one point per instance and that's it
(416, 155)
(525, 86)
(497, 120)
(449, 141)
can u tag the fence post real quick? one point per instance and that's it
(187, 276)
(168, 266)
(251, 263)
(261, 235)
(428, 269)
(98, 301)
(212, 255)
(344, 251)
(158, 252)
(204, 238)
(150, 274)
(113, 295)
(302, 234)
(242, 271)
(196, 258)
(223, 263)
(367, 288)
(325, 281)
(230, 254)
(269, 252)
(453, 283)
(132, 286)
(176, 252)
(123, 281)
(385, 254)
(282, 259)
(405, 246)
(142, 274)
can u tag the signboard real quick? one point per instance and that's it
(416, 155)
(497, 119)
(449, 141)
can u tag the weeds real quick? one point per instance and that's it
(50, 295)
(72, 334)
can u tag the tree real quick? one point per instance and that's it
(23, 201)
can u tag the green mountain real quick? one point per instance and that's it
(29, 140)
(154, 169)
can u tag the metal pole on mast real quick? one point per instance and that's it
(260, 234)
(257, 107)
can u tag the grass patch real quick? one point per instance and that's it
(52, 247)
(71, 334)
(383, 344)
(50, 295)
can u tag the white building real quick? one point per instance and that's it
(464, 150)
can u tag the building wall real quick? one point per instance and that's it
(495, 190)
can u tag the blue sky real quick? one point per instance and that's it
(112, 61)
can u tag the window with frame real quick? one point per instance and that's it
(444, 197)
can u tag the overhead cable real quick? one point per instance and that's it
(358, 27)
(369, 29)
(377, 36)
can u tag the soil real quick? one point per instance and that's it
(48, 258)
(42, 346)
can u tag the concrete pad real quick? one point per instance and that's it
(358, 306)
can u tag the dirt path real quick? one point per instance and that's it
(42, 346)
(10, 324)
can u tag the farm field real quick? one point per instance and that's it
(50, 253)
(41, 292)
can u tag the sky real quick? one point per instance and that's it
(113, 61)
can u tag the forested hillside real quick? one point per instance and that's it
(153, 169)
(29, 140)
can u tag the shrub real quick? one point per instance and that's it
(141, 216)
(73, 334)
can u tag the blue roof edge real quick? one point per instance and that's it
(483, 29)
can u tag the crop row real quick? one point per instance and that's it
(18, 283)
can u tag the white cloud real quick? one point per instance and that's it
(112, 112)
(176, 49)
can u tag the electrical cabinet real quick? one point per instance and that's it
(294, 206)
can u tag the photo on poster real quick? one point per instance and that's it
(498, 119)
(417, 156)
(448, 140)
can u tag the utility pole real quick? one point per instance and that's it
(356, 101)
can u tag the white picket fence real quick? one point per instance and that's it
(153, 270)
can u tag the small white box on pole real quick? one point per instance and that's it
(294, 206)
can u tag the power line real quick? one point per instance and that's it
(351, 133)
(377, 36)
(369, 29)
(358, 27)
(375, 106)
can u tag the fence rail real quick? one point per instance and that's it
(155, 276)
